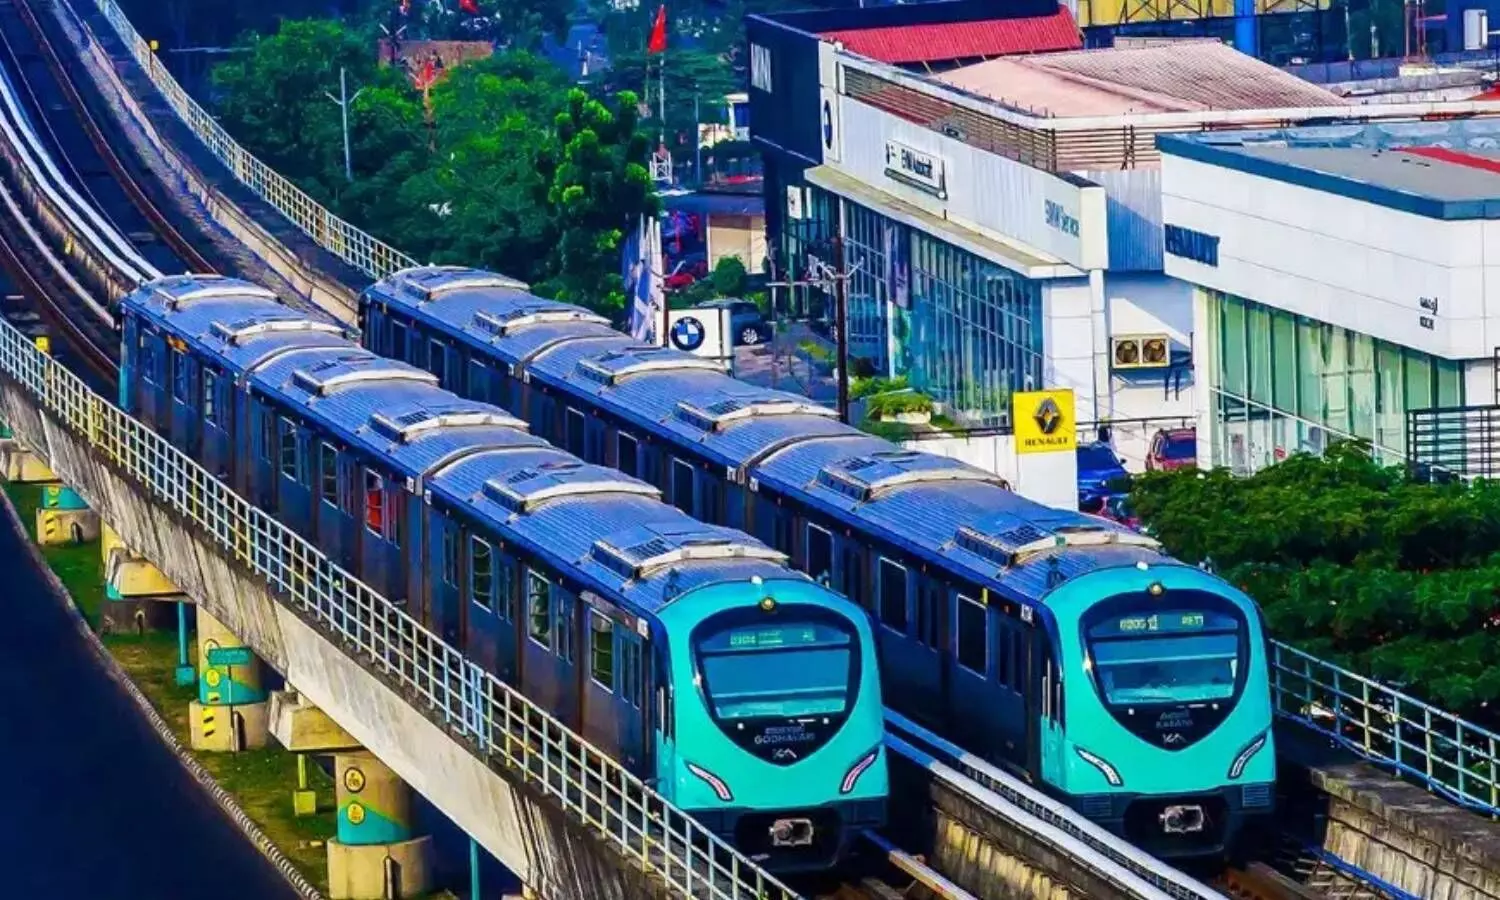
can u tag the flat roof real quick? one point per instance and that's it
(1183, 76)
(1372, 165)
(946, 41)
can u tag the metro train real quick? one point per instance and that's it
(745, 691)
(1066, 648)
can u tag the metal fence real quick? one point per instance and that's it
(1463, 440)
(371, 256)
(496, 722)
(1416, 740)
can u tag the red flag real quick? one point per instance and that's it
(469, 6)
(658, 42)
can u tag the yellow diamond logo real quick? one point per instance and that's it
(1048, 416)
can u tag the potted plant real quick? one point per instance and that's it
(901, 407)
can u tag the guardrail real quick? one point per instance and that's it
(1143, 875)
(495, 721)
(355, 247)
(1447, 755)
(1442, 763)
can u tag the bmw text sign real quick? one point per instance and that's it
(1061, 219)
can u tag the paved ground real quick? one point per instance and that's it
(92, 804)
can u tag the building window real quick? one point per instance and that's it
(973, 636)
(539, 609)
(481, 573)
(893, 595)
(602, 650)
(1281, 384)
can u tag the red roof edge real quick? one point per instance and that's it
(1457, 157)
(963, 40)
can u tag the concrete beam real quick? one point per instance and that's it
(507, 814)
(301, 727)
(20, 466)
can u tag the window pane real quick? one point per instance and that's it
(1310, 370)
(972, 638)
(329, 466)
(539, 609)
(1390, 398)
(893, 595)
(450, 557)
(374, 503)
(1233, 341)
(1284, 361)
(625, 456)
(481, 573)
(602, 655)
(1420, 392)
(1362, 385)
(180, 381)
(1258, 339)
(819, 554)
(210, 397)
(1450, 383)
(289, 449)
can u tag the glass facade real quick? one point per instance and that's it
(1281, 383)
(963, 330)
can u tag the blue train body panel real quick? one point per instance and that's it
(693, 653)
(978, 598)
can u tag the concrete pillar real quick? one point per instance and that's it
(135, 590)
(63, 518)
(230, 713)
(306, 730)
(374, 855)
(19, 465)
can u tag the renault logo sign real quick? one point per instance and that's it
(1044, 421)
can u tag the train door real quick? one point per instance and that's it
(969, 670)
(444, 615)
(541, 667)
(379, 525)
(328, 513)
(601, 683)
(629, 648)
(186, 418)
(1051, 721)
(218, 440)
(481, 624)
(851, 573)
(293, 478)
(263, 473)
(664, 724)
(150, 361)
(507, 589)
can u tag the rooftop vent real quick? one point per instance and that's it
(524, 490)
(330, 374)
(715, 416)
(861, 478)
(642, 551)
(503, 323)
(613, 366)
(241, 330)
(1015, 545)
(431, 282)
(179, 290)
(409, 426)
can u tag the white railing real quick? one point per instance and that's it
(371, 256)
(495, 721)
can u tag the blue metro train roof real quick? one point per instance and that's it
(937, 508)
(237, 323)
(603, 525)
(391, 409)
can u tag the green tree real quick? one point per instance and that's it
(729, 277)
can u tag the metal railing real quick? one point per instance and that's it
(1449, 756)
(355, 247)
(496, 722)
(1464, 440)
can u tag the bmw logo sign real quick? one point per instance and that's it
(687, 334)
(827, 125)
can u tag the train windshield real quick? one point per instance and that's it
(781, 688)
(1181, 656)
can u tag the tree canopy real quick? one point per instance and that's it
(1396, 578)
(516, 170)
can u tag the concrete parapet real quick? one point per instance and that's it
(303, 728)
(509, 817)
(56, 527)
(1398, 832)
(363, 871)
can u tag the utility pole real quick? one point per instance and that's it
(832, 279)
(343, 100)
(697, 142)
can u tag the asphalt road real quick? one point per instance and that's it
(92, 804)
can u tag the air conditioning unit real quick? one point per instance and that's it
(1142, 351)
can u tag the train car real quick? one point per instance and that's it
(694, 654)
(1128, 684)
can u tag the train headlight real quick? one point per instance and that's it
(1111, 774)
(721, 790)
(851, 777)
(1247, 753)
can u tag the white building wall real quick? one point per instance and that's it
(1358, 265)
(1068, 345)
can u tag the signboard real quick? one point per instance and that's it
(1193, 245)
(1044, 421)
(916, 168)
(230, 656)
(700, 331)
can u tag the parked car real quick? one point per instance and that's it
(1100, 474)
(1173, 449)
(746, 323)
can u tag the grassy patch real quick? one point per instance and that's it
(261, 781)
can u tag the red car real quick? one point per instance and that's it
(1174, 449)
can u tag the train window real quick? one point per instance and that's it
(181, 382)
(479, 380)
(210, 397)
(682, 486)
(574, 442)
(713, 502)
(565, 603)
(438, 362)
(398, 340)
(374, 503)
(481, 573)
(972, 635)
(602, 651)
(289, 457)
(506, 592)
(893, 594)
(853, 574)
(630, 669)
(328, 465)
(819, 554)
(450, 557)
(1016, 657)
(148, 357)
(625, 454)
(538, 609)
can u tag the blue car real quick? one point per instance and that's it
(1100, 474)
